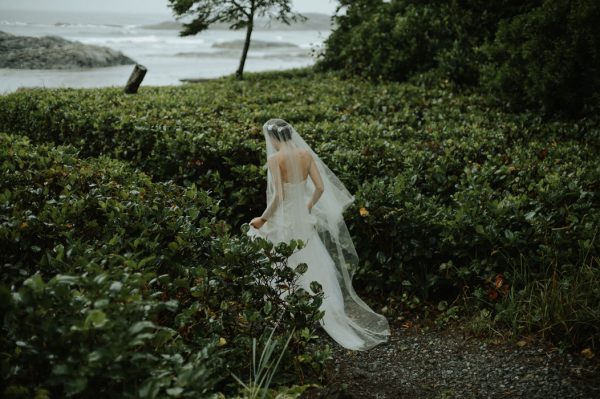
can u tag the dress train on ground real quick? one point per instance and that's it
(347, 319)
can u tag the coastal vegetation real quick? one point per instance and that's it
(126, 268)
(461, 210)
(536, 54)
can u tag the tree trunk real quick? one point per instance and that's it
(240, 72)
(139, 71)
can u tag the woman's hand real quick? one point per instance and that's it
(309, 206)
(257, 223)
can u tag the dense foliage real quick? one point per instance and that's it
(455, 198)
(539, 54)
(548, 58)
(113, 285)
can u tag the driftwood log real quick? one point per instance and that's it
(139, 71)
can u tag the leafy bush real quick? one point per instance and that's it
(450, 190)
(393, 40)
(176, 139)
(541, 55)
(115, 285)
(548, 58)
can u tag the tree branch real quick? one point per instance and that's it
(239, 7)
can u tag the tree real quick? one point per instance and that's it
(239, 13)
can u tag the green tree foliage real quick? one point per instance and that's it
(394, 40)
(548, 58)
(537, 54)
(239, 13)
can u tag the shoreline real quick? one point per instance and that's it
(124, 75)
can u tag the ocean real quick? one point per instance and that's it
(167, 56)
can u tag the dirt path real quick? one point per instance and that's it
(452, 364)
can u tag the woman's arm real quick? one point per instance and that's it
(276, 175)
(315, 175)
(276, 199)
(271, 208)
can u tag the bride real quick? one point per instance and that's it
(305, 201)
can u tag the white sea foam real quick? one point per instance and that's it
(13, 23)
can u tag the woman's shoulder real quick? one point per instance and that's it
(273, 158)
(304, 153)
(277, 157)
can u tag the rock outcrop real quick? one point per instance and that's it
(53, 52)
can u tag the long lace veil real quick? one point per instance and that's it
(328, 211)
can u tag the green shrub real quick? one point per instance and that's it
(115, 285)
(548, 58)
(454, 188)
(541, 55)
(394, 40)
(379, 40)
(174, 139)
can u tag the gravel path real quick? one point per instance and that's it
(452, 364)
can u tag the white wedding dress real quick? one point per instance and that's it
(328, 251)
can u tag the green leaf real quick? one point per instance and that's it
(100, 303)
(442, 305)
(268, 307)
(301, 268)
(96, 318)
(116, 286)
(94, 356)
(64, 279)
(316, 287)
(530, 215)
(149, 389)
(163, 335)
(35, 282)
(140, 326)
(146, 260)
(60, 369)
(175, 391)
(75, 385)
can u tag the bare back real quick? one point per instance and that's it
(306, 166)
(303, 157)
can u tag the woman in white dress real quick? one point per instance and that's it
(306, 201)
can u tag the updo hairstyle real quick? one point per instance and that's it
(279, 129)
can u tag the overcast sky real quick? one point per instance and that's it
(144, 6)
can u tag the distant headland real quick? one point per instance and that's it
(315, 21)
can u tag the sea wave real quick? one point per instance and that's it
(70, 25)
(255, 44)
(148, 39)
(14, 23)
(236, 54)
(204, 54)
(93, 26)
